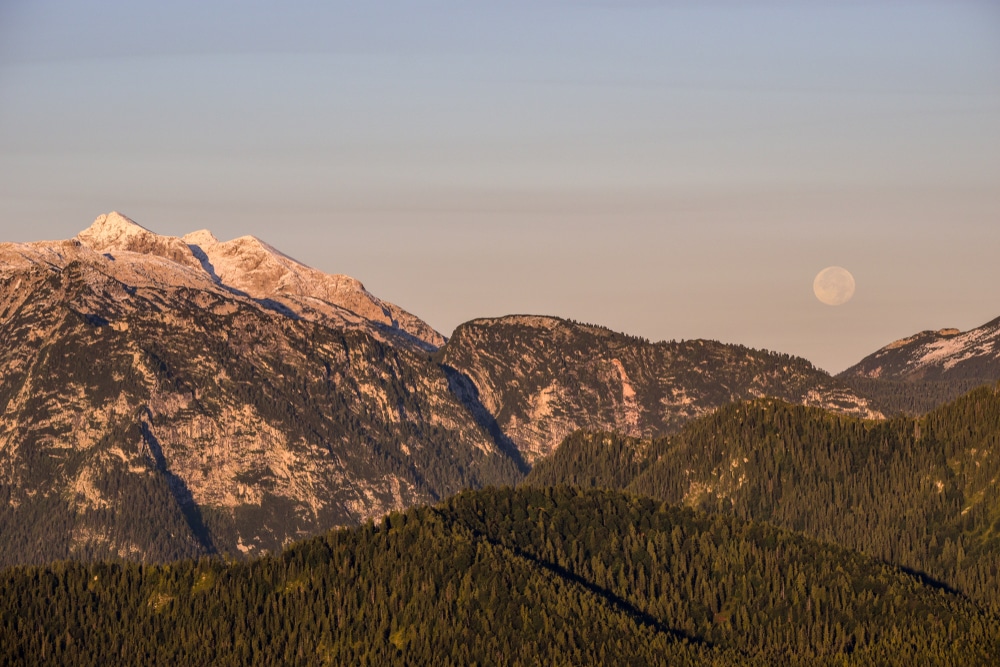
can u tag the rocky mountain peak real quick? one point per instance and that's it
(111, 229)
(243, 267)
(262, 271)
(114, 233)
(200, 238)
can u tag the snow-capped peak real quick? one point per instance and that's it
(114, 233)
(111, 228)
(252, 268)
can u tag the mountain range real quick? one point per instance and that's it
(165, 397)
(213, 454)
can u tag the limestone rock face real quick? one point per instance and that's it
(543, 378)
(153, 406)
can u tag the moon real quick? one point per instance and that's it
(834, 286)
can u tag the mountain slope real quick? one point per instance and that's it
(503, 576)
(923, 493)
(919, 373)
(937, 355)
(150, 411)
(592, 459)
(543, 378)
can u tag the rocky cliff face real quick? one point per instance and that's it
(154, 407)
(542, 378)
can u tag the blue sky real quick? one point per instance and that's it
(669, 169)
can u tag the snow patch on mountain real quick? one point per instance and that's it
(955, 347)
(933, 353)
(114, 233)
(260, 270)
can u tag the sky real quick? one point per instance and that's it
(672, 169)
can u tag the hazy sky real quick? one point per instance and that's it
(672, 169)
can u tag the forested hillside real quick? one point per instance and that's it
(521, 577)
(593, 459)
(910, 397)
(922, 493)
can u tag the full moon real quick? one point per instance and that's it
(834, 286)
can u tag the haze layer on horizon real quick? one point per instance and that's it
(671, 170)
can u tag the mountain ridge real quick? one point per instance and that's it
(245, 266)
(544, 377)
(918, 373)
(941, 354)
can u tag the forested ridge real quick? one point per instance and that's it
(921, 493)
(911, 397)
(559, 576)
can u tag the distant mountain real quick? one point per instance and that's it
(918, 373)
(164, 397)
(923, 493)
(541, 378)
(500, 576)
(937, 355)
